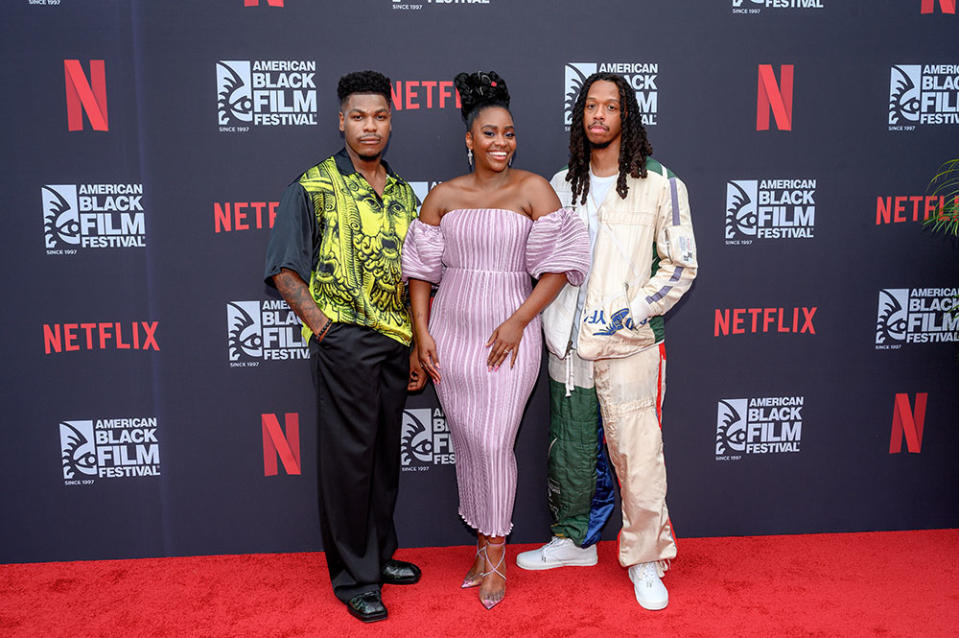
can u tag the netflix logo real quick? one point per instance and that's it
(775, 96)
(86, 95)
(908, 423)
(739, 321)
(239, 216)
(99, 335)
(945, 6)
(410, 95)
(280, 445)
(899, 209)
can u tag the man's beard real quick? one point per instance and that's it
(601, 145)
(370, 158)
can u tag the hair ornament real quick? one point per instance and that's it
(479, 89)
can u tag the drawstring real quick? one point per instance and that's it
(569, 371)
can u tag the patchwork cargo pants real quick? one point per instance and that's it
(620, 399)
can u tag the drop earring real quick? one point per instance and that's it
(469, 156)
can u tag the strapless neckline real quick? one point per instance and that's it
(502, 210)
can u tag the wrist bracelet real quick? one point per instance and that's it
(326, 328)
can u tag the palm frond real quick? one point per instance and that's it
(945, 185)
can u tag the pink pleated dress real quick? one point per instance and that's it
(482, 260)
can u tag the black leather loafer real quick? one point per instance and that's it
(399, 572)
(367, 606)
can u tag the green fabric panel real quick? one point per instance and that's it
(659, 327)
(655, 167)
(571, 464)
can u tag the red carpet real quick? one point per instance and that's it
(875, 584)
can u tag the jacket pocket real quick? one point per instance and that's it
(609, 330)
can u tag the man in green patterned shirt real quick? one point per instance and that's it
(334, 255)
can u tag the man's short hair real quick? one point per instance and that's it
(363, 82)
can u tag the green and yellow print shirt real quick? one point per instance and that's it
(345, 240)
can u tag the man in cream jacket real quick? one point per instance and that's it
(607, 358)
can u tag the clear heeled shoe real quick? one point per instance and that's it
(489, 603)
(477, 579)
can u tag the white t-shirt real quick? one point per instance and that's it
(598, 188)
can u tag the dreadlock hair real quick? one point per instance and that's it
(363, 82)
(478, 91)
(634, 147)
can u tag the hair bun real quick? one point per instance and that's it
(481, 87)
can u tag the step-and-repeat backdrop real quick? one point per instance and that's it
(156, 394)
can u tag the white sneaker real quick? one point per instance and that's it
(650, 592)
(559, 552)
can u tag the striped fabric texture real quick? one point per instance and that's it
(482, 260)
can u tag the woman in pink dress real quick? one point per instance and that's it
(480, 237)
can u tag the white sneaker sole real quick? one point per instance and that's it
(651, 607)
(540, 565)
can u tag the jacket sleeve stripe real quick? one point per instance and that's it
(677, 274)
(674, 194)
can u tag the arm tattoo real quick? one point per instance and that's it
(297, 294)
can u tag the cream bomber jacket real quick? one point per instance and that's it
(643, 262)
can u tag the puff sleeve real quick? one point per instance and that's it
(559, 243)
(423, 252)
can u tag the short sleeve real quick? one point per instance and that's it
(423, 252)
(559, 243)
(293, 241)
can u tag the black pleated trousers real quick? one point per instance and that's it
(360, 378)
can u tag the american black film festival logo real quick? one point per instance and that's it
(90, 216)
(756, 6)
(405, 5)
(425, 440)
(263, 331)
(93, 449)
(422, 189)
(923, 94)
(916, 315)
(760, 425)
(761, 209)
(265, 93)
(641, 76)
